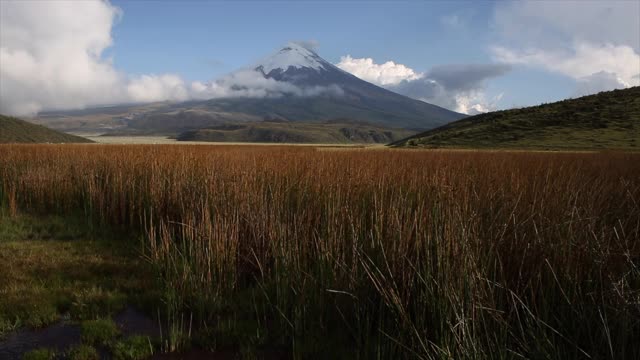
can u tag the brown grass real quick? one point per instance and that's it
(393, 253)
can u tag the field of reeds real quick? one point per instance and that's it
(364, 253)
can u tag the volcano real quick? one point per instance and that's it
(294, 84)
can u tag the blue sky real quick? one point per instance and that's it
(235, 33)
(519, 53)
(207, 39)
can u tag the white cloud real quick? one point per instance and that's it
(55, 60)
(471, 99)
(475, 102)
(252, 84)
(52, 57)
(388, 73)
(581, 60)
(148, 88)
(581, 40)
(456, 87)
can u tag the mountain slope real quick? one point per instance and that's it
(295, 84)
(295, 64)
(14, 130)
(606, 120)
(297, 132)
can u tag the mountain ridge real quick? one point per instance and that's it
(14, 130)
(297, 85)
(607, 120)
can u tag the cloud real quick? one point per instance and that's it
(581, 40)
(581, 60)
(557, 23)
(252, 84)
(388, 73)
(307, 44)
(594, 83)
(57, 62)
(149, 88)
(466, 77)
(475, 102)
(455, 87)
(460, 87)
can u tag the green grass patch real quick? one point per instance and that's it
(51, 267)
(83, 352)
(133, 348)
(14, 130)
(29, 227)
(99, 332)
(39, 354)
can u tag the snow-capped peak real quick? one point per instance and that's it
(293, 55)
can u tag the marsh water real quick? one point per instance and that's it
(64, 334)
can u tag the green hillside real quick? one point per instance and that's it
(296, 132)
(13, 130)
(608, 120)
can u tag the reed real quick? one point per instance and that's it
(361, 253)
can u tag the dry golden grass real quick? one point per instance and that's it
(393, 253)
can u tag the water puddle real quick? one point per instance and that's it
(58, 337)
(133, 322)
(64, 334)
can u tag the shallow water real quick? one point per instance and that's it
(59, 337)
(64, 334)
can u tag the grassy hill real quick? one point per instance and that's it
(13, 130)
(296, 132)
(608, 120)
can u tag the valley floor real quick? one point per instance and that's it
(164, 140)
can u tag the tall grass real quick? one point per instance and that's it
(365, 254)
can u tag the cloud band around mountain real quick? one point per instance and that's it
(456, 87)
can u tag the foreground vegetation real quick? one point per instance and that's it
(56, 270)
(608, 120)
(364, 254)
(13, 130)
(50, 267)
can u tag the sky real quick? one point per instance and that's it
(470, 57)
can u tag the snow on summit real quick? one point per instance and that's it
(292, 55)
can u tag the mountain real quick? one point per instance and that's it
(13, 130)
(296, 132)
(294, 84)
(608, 120)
